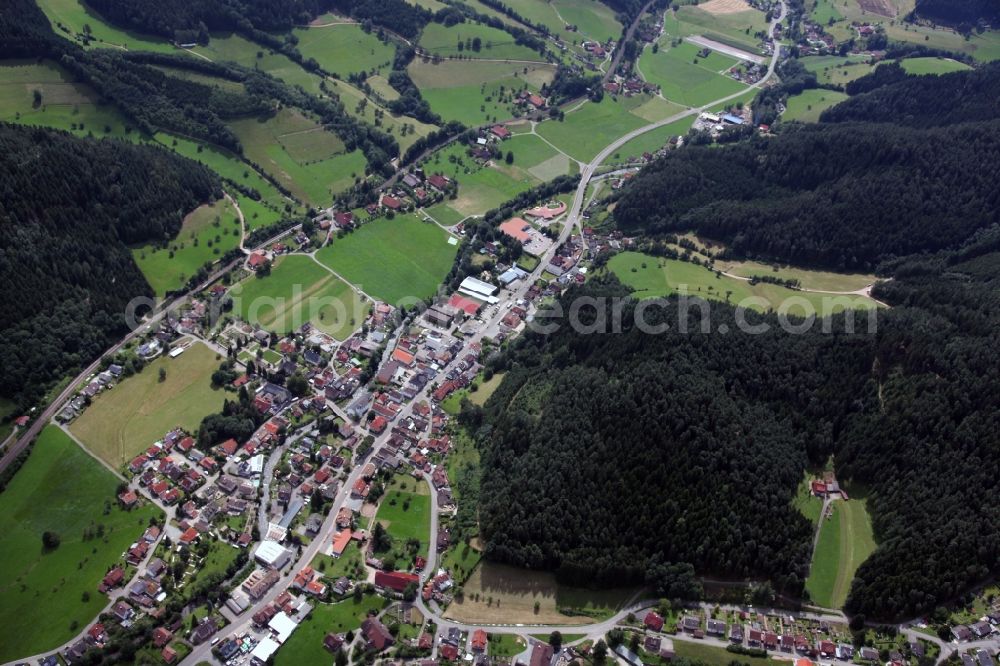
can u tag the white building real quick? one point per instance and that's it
(272, 554)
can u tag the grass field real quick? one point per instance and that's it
(476, 92)
(593, 20)
(305, 646)
(808, 278)
(738, 29)
(297, 291)
(344, 49)
(651, 141)
(140, 410)
(836, 69)
(238, 49)
(439, 40)
(708, 654)
(845, 541)
(505, 645)
(300, 154)
(207, 232)
(405, 513)
(406, 129)
(508, 595)
(685, 78)
(809, 104)
(822, 11)
(653, 277)
(73, 15)
(393, 259)
(591, 127)
(64, 490)
(808, 504)
(932, 65)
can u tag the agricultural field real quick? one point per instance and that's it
(359, 106)
(594, 20)
(808, 278)
(305, 646)
(47, 597)
(497, 593)
(653, 277)
(141, 409)
(586, 130)
(405, 513)
(536, 157)
(713, 20)
(651, 141)
(238, 49)
(72, 18)
(206, 233)
(297, 291)
(476, 92)
(65, 104)
(838, 70)
(441, 41)
(300, 154)
(344, 49)
(807, 106)
(686, 78)
(845, 541)
(932, 65)
(824, 11)
(480, 188)
(393, 260)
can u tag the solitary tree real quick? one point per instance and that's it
(50, 540)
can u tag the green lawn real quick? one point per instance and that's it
(297, 291)
(295, 150)
(207, 233)
(653, 277)
(64, 490)
(808, 504)
(651, 141)
(350, 564)
(73, 15)
(344, 49)
(440, 40)
(932, 65)
(406, 514)
(809, 104)
(845, 541)
(140, 410)
(305, 646)
(393, 259)
(687, 79)
(505, 645)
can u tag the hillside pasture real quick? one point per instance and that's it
(932, 65)
(443, 41)
(686, 78)
(838, 70)
(650, 141)
(344, 49)
(49, 596)
(807, 106)
(845, 542)
(297, 291)
(73, 18)
(140, 410)
(739, 29)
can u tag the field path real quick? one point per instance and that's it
(243, 222)
(312, 255)
(90, 453)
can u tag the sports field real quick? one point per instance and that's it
(344, 49)
(207, 233)
(932, 65)
(686, 78)
(507, 594)
(494, 44)
(297, 291)
(845, 541)
(591, 127)
(127, 419)
(476, 92)
(807, 106)
(305, 646)
(74, 15)
(393, 260)
(42, 594)
(300, 154)
(654, 277)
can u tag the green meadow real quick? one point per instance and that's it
(392, 259)
(72, 18)
(305, 646)
(344, 49)
(686, 78)
(297, 291)
(47, 597)
(443, 41)
(809, 104)
(650, 141)
(838, 70)
(738, 29)
(590, 127)
(206, 234)
(845, 542)
(405, 513)
(932, 65)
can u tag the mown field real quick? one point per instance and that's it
(443, 41)
(47, 597)
(838, 70)
(590, 127)
(297, 291)
(305, 646)
(238, 49)
(845, 541)
(738, 29)
(475, 92)
(932, 65)
(809, 278)
(344, 49)
(207, 233)
(496, 593)
(653, 277)
(141, 409)
(300, 154)
(392, 260)
(807, 106)
(686, 78)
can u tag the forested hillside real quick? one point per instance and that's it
(959, 11)
(68, 209)
(838, 196)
